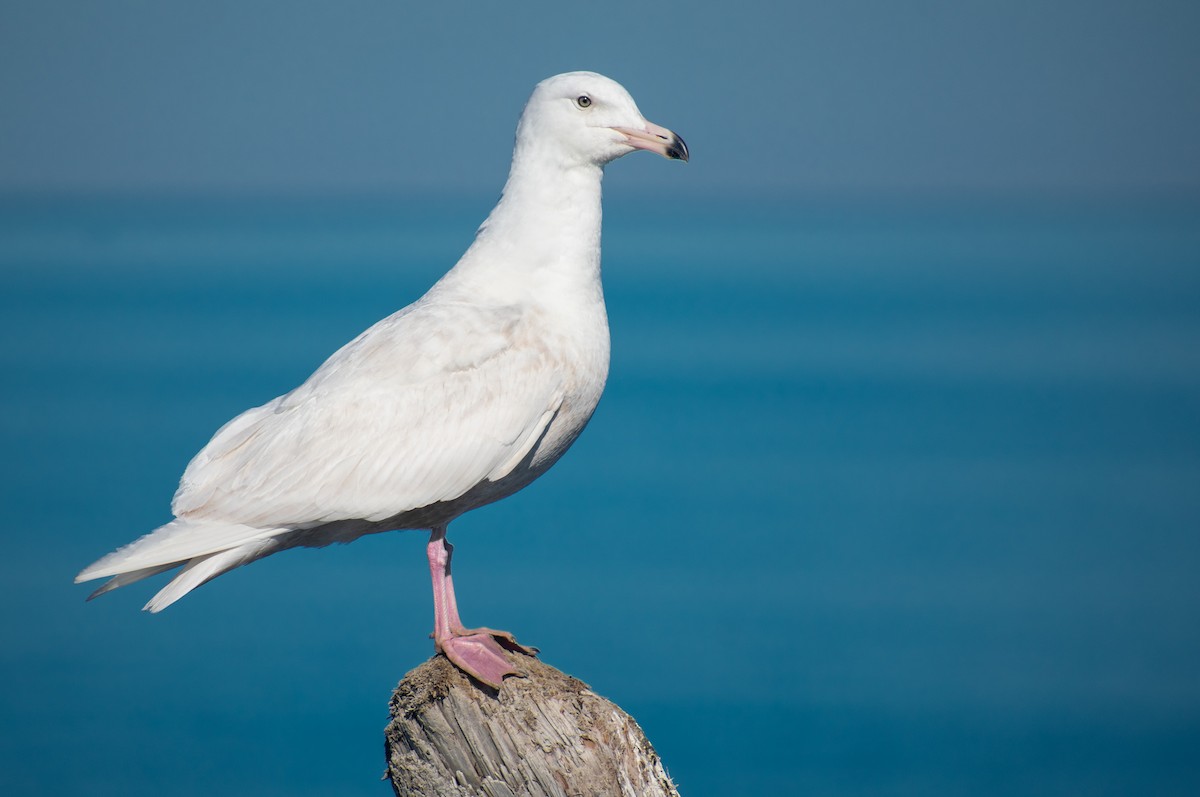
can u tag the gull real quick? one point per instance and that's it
(458, 400)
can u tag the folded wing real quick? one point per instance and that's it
(419, 409)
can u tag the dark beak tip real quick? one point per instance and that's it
(678, 150)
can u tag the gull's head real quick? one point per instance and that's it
(586, 118)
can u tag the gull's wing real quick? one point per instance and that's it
(420, 408)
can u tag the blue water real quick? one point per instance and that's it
(883, 498)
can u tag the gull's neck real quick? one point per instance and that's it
(543, 237)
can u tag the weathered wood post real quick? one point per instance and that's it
(543, 735)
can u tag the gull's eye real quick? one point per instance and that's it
(583, 101)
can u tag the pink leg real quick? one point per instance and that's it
(475, 651)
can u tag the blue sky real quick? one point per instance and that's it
(795, 98)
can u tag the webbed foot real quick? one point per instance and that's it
(479, 652)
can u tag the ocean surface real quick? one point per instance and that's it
(883, 498)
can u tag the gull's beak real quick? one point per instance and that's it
(655, 139)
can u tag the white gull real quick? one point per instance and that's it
(460, 399)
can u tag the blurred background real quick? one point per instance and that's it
(895, 488)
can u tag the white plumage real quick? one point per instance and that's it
(457, 400)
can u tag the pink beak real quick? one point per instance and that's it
(655, 139)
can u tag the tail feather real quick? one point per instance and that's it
(205, 549)
(205, 568)
(127, 578)
(175, 543)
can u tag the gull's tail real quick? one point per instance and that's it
(204, 549)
